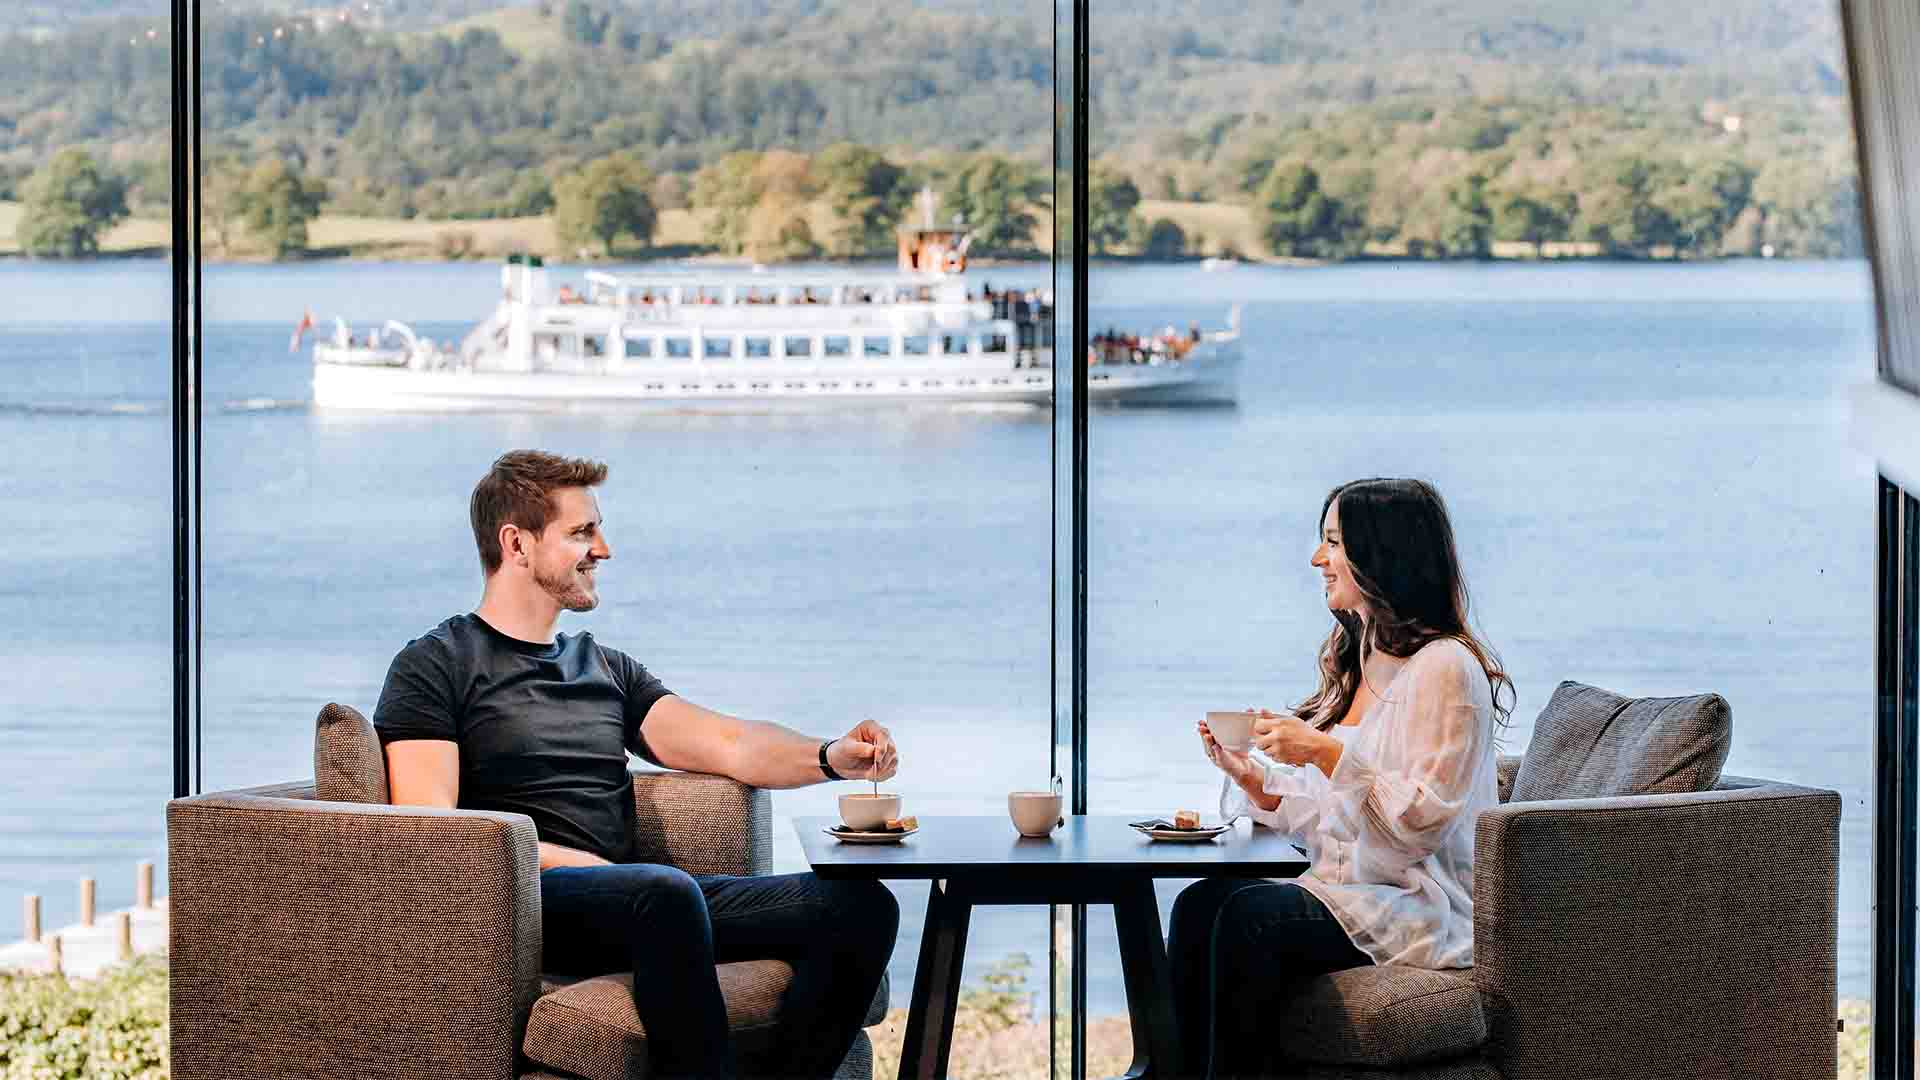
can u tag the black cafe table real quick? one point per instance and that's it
(1090, 860)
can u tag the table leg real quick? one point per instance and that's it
(936, 985)
(1149, 979)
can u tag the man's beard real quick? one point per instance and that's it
(566, 591)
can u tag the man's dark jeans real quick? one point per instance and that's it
(670, 928)
(1234, 944)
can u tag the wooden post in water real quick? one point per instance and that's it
(123, 933)
(30, 914)
(86, 901)
(143, 885)
(54, 960)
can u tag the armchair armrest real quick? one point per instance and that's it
(349, 939)
(1506, 769)
(1661, 936)
(701, 823)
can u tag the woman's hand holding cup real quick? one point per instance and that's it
(1238, 766)
(1289, 739)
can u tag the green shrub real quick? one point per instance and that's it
(110, 1028)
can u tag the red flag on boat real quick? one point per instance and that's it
(300, 331)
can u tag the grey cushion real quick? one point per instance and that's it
(1591, 743)
(1379, 1017)
(347, 763)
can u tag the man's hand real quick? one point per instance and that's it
(865, 753)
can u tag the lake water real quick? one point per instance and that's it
(1648, 468)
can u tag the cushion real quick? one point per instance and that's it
(590, 1030)
(347, 763)
(1591, 743)
(1379, 1017)
(876, 1012)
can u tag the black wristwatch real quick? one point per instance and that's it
(824, 767)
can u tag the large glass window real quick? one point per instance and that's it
(85, 342)
(769, 563)
(1616, 337)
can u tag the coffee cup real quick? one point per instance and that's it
(1232, 730)
(866, 812)
(1034, 813)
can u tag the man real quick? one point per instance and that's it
(494, 711)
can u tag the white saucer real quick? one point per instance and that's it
(846, 836)
(1188, 836)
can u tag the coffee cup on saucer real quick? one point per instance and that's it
(868, 812)
(1232, 730)
(1034, 813)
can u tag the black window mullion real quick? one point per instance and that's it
(1897, 678)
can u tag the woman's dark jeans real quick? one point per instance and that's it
(1235, 944)
(670, 928)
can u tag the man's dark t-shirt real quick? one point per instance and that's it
(543, 729)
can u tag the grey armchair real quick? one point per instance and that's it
(1674, 934)
(317, 932)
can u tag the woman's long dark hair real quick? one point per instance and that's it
(1399, 546)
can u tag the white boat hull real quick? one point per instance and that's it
(1202, 380)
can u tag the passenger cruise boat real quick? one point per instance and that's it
(750, 343)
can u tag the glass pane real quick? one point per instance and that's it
(86, 615)
(652, 271)
(1616, 338)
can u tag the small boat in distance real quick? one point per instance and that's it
(763, 342)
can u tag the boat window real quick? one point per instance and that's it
(877, 346)
(678, 347)
(994, 344)
(640, 348)
(836, 345)
(719, 346)
(953, 344)
(916, 344)
(799, 346)
(594, 345)
(759, 348)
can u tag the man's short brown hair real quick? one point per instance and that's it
(519, 489)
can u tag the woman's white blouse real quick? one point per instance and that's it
(1390, 833)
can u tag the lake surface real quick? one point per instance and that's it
(1647, 466)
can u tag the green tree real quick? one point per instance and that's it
(604, 200)
(531, 196)
(583, 24)
(991, 193)
(728, 190)
(1703, 204)
(1531, 217)
(1297, 218)
(866, 193)
(68, 204)
(1467, 227)
(1111, 199)
(276, 204)
(1165, 240)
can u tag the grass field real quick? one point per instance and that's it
(1211, 227)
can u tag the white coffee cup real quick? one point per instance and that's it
(866, 812)
(1034, 813)
(1232, 730)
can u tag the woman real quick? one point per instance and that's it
(1379, 775)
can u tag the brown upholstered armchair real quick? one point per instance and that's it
(318, 932)
(1636, 915)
